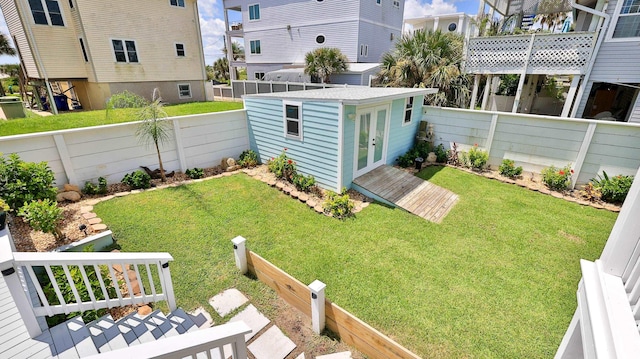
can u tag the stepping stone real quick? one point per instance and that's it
(106, 198)
(95, 220)
(86, 209)
(227, 301)
(121, 194)
(99, 227)
(89, 215)
(341, 355)
(254, 319)
(93, 202)
(272, 344)
(201, 318)
(303, 197)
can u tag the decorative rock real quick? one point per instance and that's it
(522, 184)
(583, 202)
(89, 215)
(136, 191)
(144, 310)
(271, 182)
(226, 174)
(294, 194)
(86, 209)
(280, 185)
(311, 203)
(570, 198)
(365, 204)
(319, 209)
(508, 180)
(93, 202)
(557, 194)
(99, 227)
(258, 177)
(223, 164)
(106, 198)
(95, 220)
(122, 194)
(231, 162)
(287, 189)
(545, 190)
(357, 209)
(264, 179)
(135, 286)
(68, 196)
(303, 197)
(597, 205)
(71, 188)
(132, 275)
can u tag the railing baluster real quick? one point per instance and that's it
(140, 284)
(103, 287)
(74, 290)
(125, 274)
(52, 278)
(87, 283)
(161, 279)
(114, 280)
(43, 298)
(634, 276)
(153, 286)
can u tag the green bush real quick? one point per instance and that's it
(441, 154)
(613, 189)
(101, 188)
(248, 159)
(22, 182)
(194, 173)
(43, 215)
(137, 180)
(475, 158)
(421, 149)
(508, 169)
(303, 183)
(282, 166)
(338, 204)
(557, 179)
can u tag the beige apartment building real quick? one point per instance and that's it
(85, 51)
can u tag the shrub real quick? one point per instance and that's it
(90, 188)
(43, 215)
(303, 183)
(613, 189)
(194, 173)
(508, 168)
(102, 185)
(557, 178)
(248, 159)
(338, 204)
(137, 180)
(590, 192)
(452, 156)
(421, 149)
(4, 207)
(282, 166)
(441, 154)
(475, 158)
(22, 182)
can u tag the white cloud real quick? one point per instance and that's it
(212, 38)
(418, 8)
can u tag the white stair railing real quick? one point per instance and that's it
(150, 274)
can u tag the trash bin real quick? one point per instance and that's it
(61, 102)
(12, 107)
(418, 162)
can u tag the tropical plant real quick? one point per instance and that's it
(137, 180)
(248, 158)
(220, 70)
(338, 204)
(194, 173)
(282, 166)
(613, 189)
(508, 85)
(421, 149)
(303, 183)
(428, 58)
(441, 154)
(508, 168)
(154, 130)
(557, 179)
(475, 158)
(43, 215)
(4, 207)
(90, 188)
(324, 61)
(22, 182)
(590, 192)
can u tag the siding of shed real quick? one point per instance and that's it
(402, 138)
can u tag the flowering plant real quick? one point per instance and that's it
(557, 179)
(282, 166)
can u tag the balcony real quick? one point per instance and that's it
(551, 54)
(235, 29)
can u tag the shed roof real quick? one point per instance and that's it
(355, 95)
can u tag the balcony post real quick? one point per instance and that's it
(168, 286)
(487, 90)
(474, 93)
(571, 96)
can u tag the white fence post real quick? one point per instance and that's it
(168, 286)
(65, 159)
(492, 132)
(582, 154)
(318, 317)
(240, 253)
(179, 145)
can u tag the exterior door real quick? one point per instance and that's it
(371, 139)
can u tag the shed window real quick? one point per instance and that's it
(293, 119)
(46, 12)
(125, 50)
(408, 110)
(628, 24)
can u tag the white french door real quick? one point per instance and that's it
(372, 125)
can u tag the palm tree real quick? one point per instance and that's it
(221, 69)
(154, 129)
(428, 59)
(5, 49)
(324, 61)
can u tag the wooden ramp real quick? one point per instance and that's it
(408, 192)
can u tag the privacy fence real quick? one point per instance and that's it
(111, 151)
(535, 142)
(250, 87)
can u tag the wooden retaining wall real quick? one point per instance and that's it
(351, 330)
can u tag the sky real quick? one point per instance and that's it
(212, 21)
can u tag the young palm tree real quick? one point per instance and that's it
(428, 59)
(154, 129)
(324, 61)
(221, 69)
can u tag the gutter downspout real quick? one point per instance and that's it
(596, 48)
(41, 69)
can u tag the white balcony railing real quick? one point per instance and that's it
(553, 54)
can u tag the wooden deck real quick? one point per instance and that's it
(408, 192)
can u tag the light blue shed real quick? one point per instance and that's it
(335, 134)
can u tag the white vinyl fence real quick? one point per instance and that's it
(535, 142)
(111, 151)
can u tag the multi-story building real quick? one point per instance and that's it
(278, 33)
(99, 48)
(598, 54)
(459, 22)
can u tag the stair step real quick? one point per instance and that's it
(81, 337)
(105, 334)
(143, 331)
(62, 342)
(183, 321)
(159, 325)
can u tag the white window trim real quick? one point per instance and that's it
(175, 49)
(190, 93)
(614, 22)
(405, 109)
(255, 53)
(126, 53)
(178, 6)
(284, 119)
(249, 12)
(46, 13)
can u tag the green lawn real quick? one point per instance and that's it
(34, 123)
(496, 279)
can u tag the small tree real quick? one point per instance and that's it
(154, 129)
(324, 61)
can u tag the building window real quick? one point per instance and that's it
(184, 90)
(254, 12)
(46, 12)
(255, 47)
(125, 50)
(364, 50)
(293, 120)
(320, 39)
(178, 3)
(396, 4)
(180, 50)
(452, 27)
(258, 75)
(71, 4)
(379, 2)
(628, 24)
(84, 50)
(408, 110)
